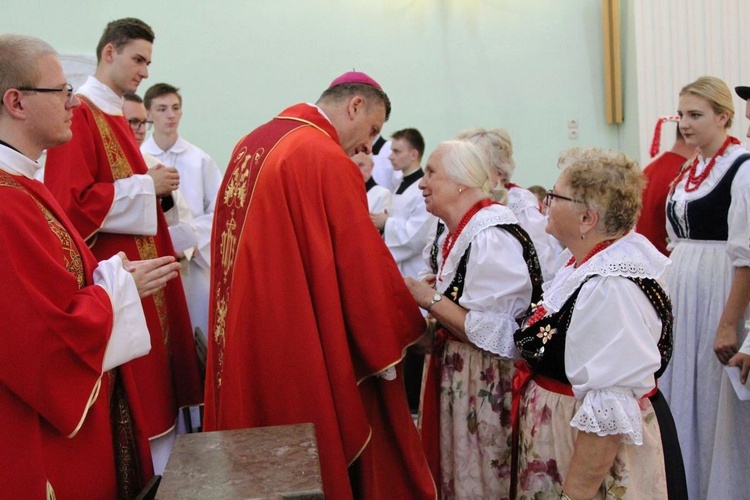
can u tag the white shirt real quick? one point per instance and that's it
(407, 229)
(133, 208)
(382, 170)
(738, 242)
(611, 351)
(200, 179)
(525, 207)
(497, 286)
(379, 199)
(130, 338)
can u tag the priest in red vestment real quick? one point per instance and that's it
(68, 322)
(104, 186)
(309, 315)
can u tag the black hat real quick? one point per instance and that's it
(743, 92)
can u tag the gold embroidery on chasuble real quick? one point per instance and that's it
(235, 196)
(121, 169)
(70, 254)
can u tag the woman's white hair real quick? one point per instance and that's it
(463, 163)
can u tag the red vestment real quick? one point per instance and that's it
(56, 325)
(307, 305)
(653, 220)
(81, 175)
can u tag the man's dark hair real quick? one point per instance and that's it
(120, 32)
(368, 92)
(132, 97)
(158, 90)
(413, 137)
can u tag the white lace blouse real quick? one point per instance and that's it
(611, 350)
(497, 287)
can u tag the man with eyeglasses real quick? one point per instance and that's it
(105, 187)
(200, 180)
(68, 321)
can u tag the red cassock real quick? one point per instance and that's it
(653, 220)
(81, 175)
(56, 325)
(307, 305)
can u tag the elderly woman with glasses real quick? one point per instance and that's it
(483, 275)
(593, 346)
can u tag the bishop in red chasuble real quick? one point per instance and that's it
(308, 310)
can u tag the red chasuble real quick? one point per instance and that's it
(81, 174)
(653, 220)
(307, 305)
(54, 400)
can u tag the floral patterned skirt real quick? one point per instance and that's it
(546, 444)
(475, 427)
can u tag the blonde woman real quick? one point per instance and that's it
(709, 230)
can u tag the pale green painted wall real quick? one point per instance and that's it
(526, 65)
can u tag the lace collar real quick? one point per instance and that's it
(632, 256)
(487, 217)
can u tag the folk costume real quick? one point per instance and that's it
(307, 308)
(67, 324)
(709, 229)
(100, 180)
(525, 206)
(592, 348)
(492, 271)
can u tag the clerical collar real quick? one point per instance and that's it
(370, 184)
(409, 180)
(102, 96)
(16, 163)
(9, 146)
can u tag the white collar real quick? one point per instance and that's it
(150, 146)
(320, 111)
(632, 256)
(15, 163)
(102, 96)
(487, 217)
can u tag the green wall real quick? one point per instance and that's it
(526, 65)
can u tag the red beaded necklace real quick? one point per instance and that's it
(450, 239)
(597, 248)
(694, 181)
(540, 310)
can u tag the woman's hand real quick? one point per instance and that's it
(743, 361)
(422, 292)
(151, 275)
(725, 345)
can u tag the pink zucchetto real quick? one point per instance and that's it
(355, 77)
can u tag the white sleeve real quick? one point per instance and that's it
(738, 242)
(611, 356)
(381, 200)
(497, 290)
(181, 230)
(406, 236)
(130, 338)
(134, 207)
(202, 223)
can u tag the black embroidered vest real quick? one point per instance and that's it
(706, 217)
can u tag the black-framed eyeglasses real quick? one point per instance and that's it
(551, 194)
(67, 88)
(136, 124)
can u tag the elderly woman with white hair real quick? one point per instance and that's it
(595, 344)
(483, 276)
(497, 148)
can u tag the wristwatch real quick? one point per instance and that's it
(434, 300)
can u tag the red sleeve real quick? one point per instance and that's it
(78, 174)
(54, 335)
